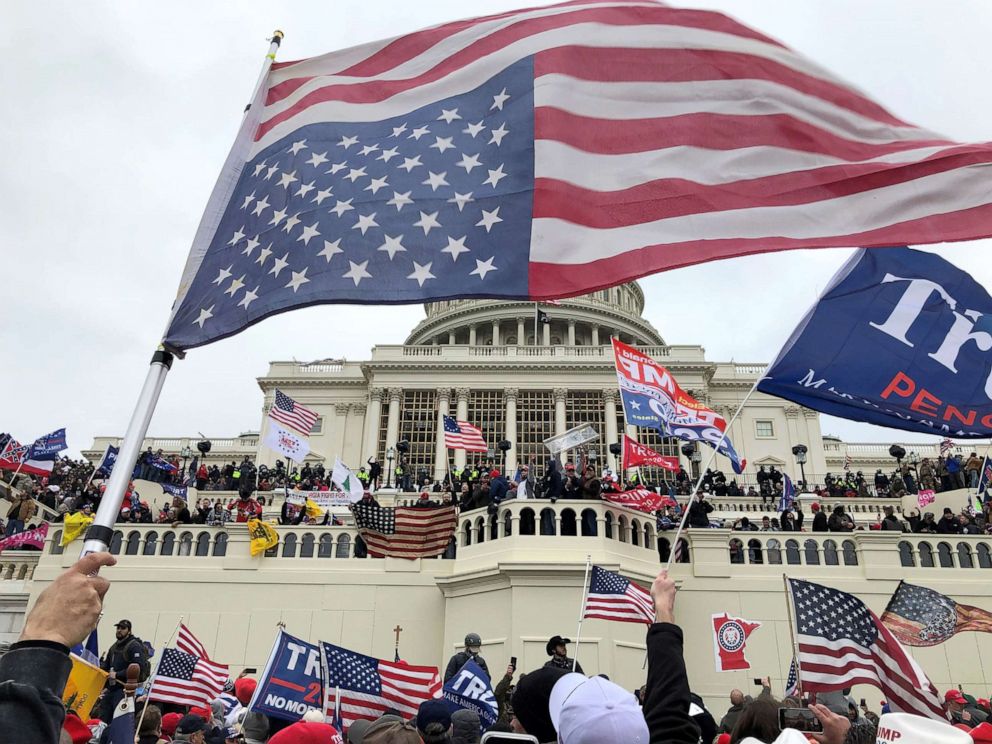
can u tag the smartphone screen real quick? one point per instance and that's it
(757, 681)
(513, 662)
(799, 719)
(251, 670)
(498, 737)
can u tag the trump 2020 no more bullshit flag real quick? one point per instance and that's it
(549, 152)
(900, 338)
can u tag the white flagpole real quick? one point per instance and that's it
(151, 679)
(101, 531)
(582, 611)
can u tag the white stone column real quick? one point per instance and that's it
(372, 416)
(610, 413)
(471, 335)
(451, 338)
(351, 451)
(341, 422)
(595, 335)
(560, 394)
(510, 398)
(461, 414)
(393, 421)
(521, 332)
(546, 333)
(496, 338)
(571, 332)
(440, 451)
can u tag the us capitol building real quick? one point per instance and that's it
(480, 361)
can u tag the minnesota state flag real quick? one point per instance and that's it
(262, 535)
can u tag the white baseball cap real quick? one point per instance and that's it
(906, 728)
(593, 710)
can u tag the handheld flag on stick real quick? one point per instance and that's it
(347, 481)
(788, 494)
(636, 454)
(186, 675)
(471, 689)
(918, 616)
(461, 435)
(612, 597)
(108, 461)
(985, 478)
(48, 446)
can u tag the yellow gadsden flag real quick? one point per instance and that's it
(83, 688)
(262, 536)
(314, 511)
(75, 525)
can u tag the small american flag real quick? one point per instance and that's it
(462, 435)
(186, 676)
(792, 683)
(847, 462)
(404, 532)
(612, 597)
(368, 687)
(288, 412)
(946, 445)
(842, 643)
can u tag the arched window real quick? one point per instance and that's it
(220, 544)
(812, 553)
(682, 549)
(774, 548)
(527, 522)
(622, 528)
(133, 543)
(754, 554)
(944, 555)
(306, 546)
(467, 532)
(830, 553)
(186, 543)
(325, 547)
(57, 543)
(203, 544)
(964, 556)
(480, 529)
(664, 549)
(608, 528)
(906, 554)
(635, 532)
(792, 552)
(115, 542)
(926, 555)
(736, 551)
(850, 551)
(151, 542)
(648, 535)
(548, 525)
(984, 556)
(289, 545)
(343, 549)
(568, 526)
(168, 543)
(507, 523)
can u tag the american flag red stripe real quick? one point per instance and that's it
(843, 643)
(741, 145)
(612, 597)
(405, 532)
(463, 436)
(288, 412)
(186, 675)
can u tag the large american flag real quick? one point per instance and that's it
(288, 412)
(462, 435)
(612, 597)
(368, 687)
(404, 532)
(843, 643)
(186, 676)
(553, 151)
(918, 616)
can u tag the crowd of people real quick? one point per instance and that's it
(550, 704)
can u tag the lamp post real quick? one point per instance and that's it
(185, 452)
(800, 451)
(691, 451)
(390, 456)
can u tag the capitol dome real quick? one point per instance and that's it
(587, 320)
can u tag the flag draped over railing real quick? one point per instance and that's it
(550, 152)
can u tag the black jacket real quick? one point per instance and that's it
(666, 700)
(34, 676)
(458, 661)
(128, 650)
(820, 522)
(698, 513)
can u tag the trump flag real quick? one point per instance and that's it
(549, 152)
(636, 454)
(900, 338)
(652, 397)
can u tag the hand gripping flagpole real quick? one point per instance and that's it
(582, 611)
(101, 531)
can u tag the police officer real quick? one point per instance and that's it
(473, 644)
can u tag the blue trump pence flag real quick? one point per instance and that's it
(900, 338)
(48, 446)
(471, 689)
(551, 152)
(106, 466)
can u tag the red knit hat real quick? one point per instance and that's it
(244, 688)
(814, 506)
(169, 723)
(78, 730)
(308, 733)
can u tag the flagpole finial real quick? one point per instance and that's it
(277, 36)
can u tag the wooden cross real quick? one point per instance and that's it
(397, 630)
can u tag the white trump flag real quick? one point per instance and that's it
(289, 443)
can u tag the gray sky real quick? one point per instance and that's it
(117, 119)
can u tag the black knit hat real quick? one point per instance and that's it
(530, 702)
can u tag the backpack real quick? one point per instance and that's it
(144, 665)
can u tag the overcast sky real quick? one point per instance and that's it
(118, 116)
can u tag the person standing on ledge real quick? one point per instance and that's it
(558, 651)
(473, 645)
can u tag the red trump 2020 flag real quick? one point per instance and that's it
(549, 152)
(635, 454)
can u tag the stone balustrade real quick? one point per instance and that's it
(17, 565)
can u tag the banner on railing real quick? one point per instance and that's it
(640, 499)
(291, 682)
(323, 499)
(572, 438)
(30, 538)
